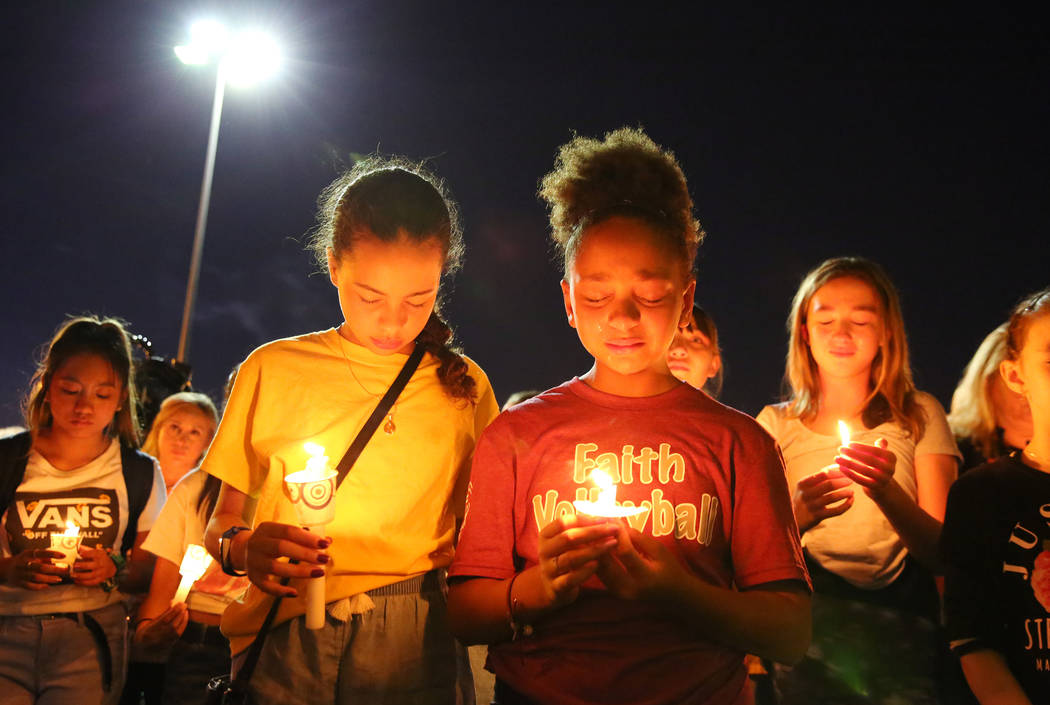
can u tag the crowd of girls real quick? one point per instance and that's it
(736, 545)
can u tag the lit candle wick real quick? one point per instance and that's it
(67, 543)
(606, 505)
(844, 432)
(317, 463)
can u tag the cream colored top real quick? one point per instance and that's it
(859, 545)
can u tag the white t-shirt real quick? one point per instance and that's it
(93, 497)
(180, 524)
(859, 545)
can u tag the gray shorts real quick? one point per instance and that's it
(56, 659)
(400, 653)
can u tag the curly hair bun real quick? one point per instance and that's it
(624, 174)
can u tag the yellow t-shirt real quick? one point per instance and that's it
(396, 510)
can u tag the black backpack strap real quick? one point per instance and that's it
(138, 480)
(14, 452)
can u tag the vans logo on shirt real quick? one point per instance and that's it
(37, 514)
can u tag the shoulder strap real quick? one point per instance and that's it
(138, 479)
(14, 453)
(349, 458)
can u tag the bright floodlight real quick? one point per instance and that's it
(210, 35)
(192, 54)
(251, 56)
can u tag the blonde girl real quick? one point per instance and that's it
(869, 512)
(387, 235)
(996, 540)
(181, 432)
(63, 627)
(988, 418)
(177, 648)
(662, 607)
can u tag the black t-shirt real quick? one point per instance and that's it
(996, 546)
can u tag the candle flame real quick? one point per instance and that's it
(317, 463)
(71, 529)
(606, 505)
(844, 432)
(604, 480)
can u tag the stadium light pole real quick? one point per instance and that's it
(241, 59)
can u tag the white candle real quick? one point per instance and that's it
(68, 544)
(312, 491)
(195, 563)
(606, 505)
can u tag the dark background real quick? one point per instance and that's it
(917, 138)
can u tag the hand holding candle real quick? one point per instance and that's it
(195, 564)
(870, 466)
(824, 494)
(312, 491)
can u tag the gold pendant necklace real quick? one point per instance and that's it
(389, 426)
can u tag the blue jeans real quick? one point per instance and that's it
(400, 653)
(55, 659)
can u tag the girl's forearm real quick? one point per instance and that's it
(919, 531)
(772, 621)
(217, 525)
(990, 679)
(479, 608)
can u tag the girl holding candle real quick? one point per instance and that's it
(185, 635)
(996, 540)
(387, 235)
(869, 511)
(63, 632)
(661, 606)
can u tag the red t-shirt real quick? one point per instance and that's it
(714, 485)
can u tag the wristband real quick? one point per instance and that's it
(516, 628)
(119, 562)
(225, 542)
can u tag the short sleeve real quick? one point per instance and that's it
(168, 534)
(485, 409)
(969, 567)
(938, 438)
(486, 542)
(231, 456)
(769, 419)
(157, 495)
(765, 540)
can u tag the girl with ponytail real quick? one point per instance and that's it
(387, 235)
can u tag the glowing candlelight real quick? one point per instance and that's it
(844, 432)
(194, 564)
(606, 505)
(312, 491)
(68, 544)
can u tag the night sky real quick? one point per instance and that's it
(919, 140)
